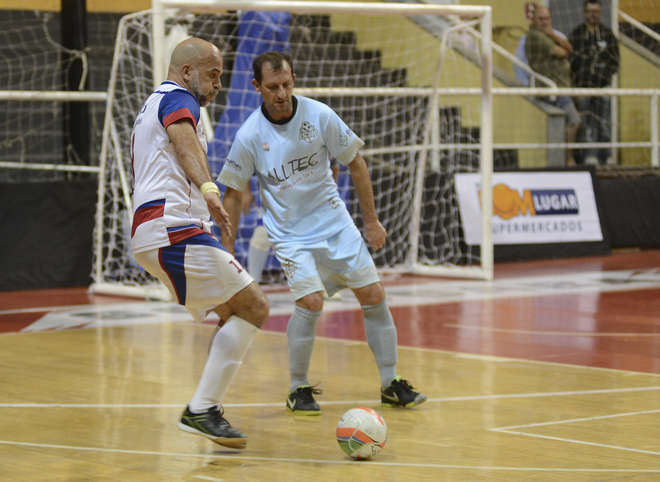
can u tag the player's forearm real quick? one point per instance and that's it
(232, 203)
(363, 190)
(196, 167)
(562, 42)
(558, 51)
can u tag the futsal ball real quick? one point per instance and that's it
(361, 433)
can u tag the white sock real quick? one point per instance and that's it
(228, 348)
(258, 253)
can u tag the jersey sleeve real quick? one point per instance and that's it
(176, 105)
(342, 143)
(238, 168)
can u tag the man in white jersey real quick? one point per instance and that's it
(288, 143)
(170, 237)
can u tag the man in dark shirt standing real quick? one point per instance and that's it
(594, 60)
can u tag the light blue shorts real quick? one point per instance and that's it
(342, 261)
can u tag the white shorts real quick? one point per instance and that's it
(198, 271)
(342, 261)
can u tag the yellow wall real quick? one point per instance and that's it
(49, 5)
(635, 111)
(642, 10)
(634, 114)
(504, 12)
(92, 5)
(512, 116)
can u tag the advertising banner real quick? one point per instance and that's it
(532, 207)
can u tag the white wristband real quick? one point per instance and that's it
(209, 186)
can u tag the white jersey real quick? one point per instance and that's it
(168, 207)
(292, 163)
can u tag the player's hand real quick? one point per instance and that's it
(375, 234)
(218, 213)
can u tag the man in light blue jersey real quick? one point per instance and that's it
(288, 143)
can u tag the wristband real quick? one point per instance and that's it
(209, 186)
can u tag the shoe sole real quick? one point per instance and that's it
(231, 442)
(304, 413)
(414, 403)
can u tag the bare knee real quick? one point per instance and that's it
(250, 304)
(260, 309)
(311, 302)
(372, 294)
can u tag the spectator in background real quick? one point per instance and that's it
(548, 55)
(521, 74)
(595, 59)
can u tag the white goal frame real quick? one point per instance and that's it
(485, 270)
(483, 13)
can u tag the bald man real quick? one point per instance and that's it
(175, 199)
(548, 54)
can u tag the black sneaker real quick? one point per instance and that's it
(213, 425)
(400, 394)
(301, 401)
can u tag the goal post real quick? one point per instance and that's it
(412, 80)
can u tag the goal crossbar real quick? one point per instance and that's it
(203, 6)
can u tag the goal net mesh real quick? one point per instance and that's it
(33, 60)
(375, 71)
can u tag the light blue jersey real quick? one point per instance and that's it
(292, 162)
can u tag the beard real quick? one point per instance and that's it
(203, 99)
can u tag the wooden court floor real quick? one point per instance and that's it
(551, 372)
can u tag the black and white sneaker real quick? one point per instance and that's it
(301, 401)
(213, 425)
(400, 394)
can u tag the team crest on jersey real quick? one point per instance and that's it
(307, 132)
(343, 138)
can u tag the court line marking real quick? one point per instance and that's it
(575, 441)
(463, 290)
(581, 442)
(239, 456)
(499, 358)
(41, 309)
(204, 477)
(544, 333)
(347, 341)
(342, 402)
(575, 420)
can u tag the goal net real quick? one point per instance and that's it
(408, 79)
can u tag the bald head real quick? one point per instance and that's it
(197, 65)
(193, 50)
(542, 18)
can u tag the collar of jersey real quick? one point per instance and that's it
(283, 121)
